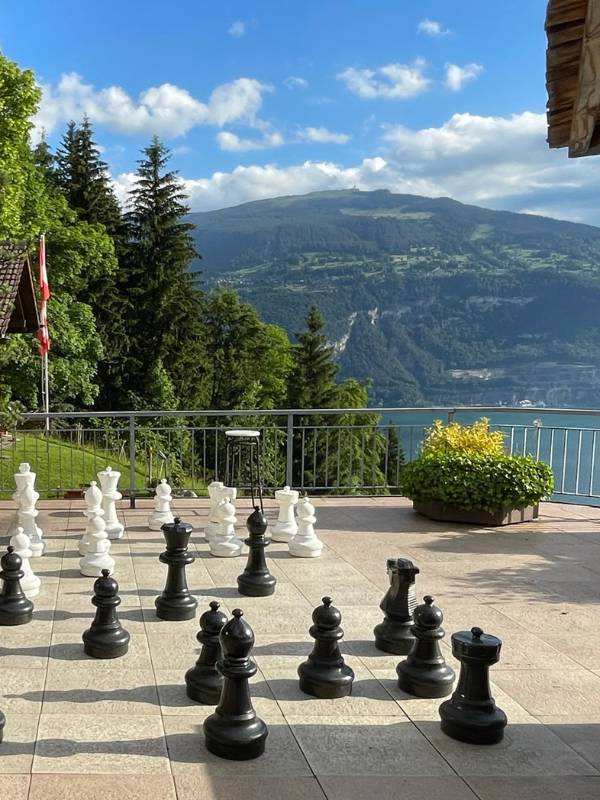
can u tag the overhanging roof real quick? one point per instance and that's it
(18, 304)
(573, 75)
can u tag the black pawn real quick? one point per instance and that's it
(2, 724)
(15, 608)
(256, 580)
(471, 715)
(325, 674)
(176, 602)
(204, 682)
(234, 731)
(424, 673)
(106, 638)
(394, 634)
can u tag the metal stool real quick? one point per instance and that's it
(239, 443)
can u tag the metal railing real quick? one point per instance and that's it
(317, 450)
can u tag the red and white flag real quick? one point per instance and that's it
(42, 334)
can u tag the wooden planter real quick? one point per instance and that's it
(442, 513)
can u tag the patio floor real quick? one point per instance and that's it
(125, 730)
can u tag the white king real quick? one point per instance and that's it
(285, 528)
(162, 506)
(305, 543)
(109, 479)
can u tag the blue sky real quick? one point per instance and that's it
(262, 98)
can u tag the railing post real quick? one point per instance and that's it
(451, 414)
(289, 467)
(132, 461)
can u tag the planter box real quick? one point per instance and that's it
(442, 513)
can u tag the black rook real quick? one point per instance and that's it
(471, 714)
(234, 731)
(394, 634)
(203, 681)
(256, 580)
(176, 602)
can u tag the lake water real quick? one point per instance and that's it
(569, 442)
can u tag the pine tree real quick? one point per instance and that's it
(312, 384)
(164, 317)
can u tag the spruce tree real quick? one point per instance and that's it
(312, 384)
(164, 315)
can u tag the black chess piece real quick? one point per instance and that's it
(2, 724)
(256, 580)
(176, 602)
(424, 672)
(203, 681)
(15, 608)
(106, 637)
(394, 634)
(325, 674)
(234, 731)
(471, 715)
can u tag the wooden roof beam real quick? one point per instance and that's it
(586, 111)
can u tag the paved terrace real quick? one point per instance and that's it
(124, 730)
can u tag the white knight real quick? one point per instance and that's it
(306, 543)
(217, 491)
(225, 543)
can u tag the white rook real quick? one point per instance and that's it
(162, 507)
(30, 583)
(305, 543)
(109, 480)
(225, 543)
(286, 527)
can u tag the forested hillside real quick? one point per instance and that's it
(433, 300)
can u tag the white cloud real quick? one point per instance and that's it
(501, 162)
(391, 82)
(432, 28)
(237, 29)
(322, 135)
(167, 110)
(236, 144)
(456, 76)
(295, 82)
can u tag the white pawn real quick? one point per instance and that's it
(20, 484)
(109, 479)
(286, 527)
(93, 509)
(217, 491)
(305, 543)
(30, 583)
(97, 554)
(27, 515)
(162, 506)
(225, 543)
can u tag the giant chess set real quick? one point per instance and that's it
(221, 675)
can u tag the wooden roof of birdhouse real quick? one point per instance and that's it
(18, 304)
(573, 75)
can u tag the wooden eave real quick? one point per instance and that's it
(18, 302)
(573, 75)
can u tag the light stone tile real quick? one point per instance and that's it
(100, 744)
(110, 787)
(67, 649)
(15, 787)
(194, 787)
(21, 690)
(525, 788)
(582, 733)
(185, 740)
(89, 689)
(18, 744)
(366, 745)
(552, 691)
(423, 787)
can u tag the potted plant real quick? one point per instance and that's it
(463, 474)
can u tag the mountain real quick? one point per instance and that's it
(432, 300)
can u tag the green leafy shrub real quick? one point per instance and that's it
(477, 483)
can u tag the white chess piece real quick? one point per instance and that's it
(30, 583)
(93, 508)
(97, 544)
(27, 515)
(305, 543)
(225, 543)
(217, 491)
(162, 506)
(286, 527)
(20, 484)
(109, 479)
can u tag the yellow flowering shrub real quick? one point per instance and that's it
(469, 440)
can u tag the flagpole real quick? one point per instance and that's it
(44, 338)
(46, 391)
